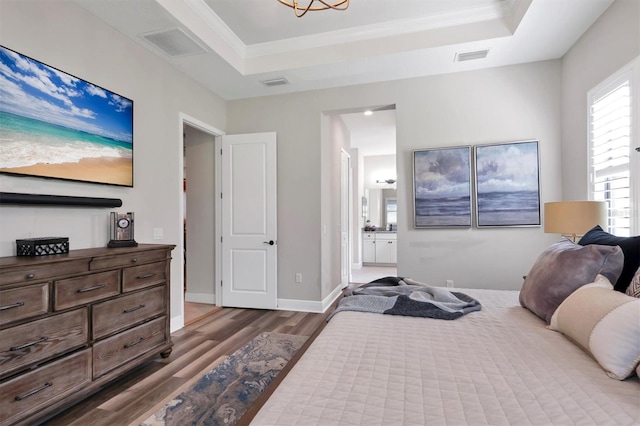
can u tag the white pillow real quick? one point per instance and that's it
(634, 287)
(605, 323)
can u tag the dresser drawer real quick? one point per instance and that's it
(23, 302)
(143, 276)
(42, 339)
(30, 392)
(128, 259)
(84, 289)
(117, 350)
(120, 313)
(33, 273)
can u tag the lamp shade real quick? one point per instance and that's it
(574, 217)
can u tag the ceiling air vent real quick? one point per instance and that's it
(275, 82)
(470, 56)
(173, 42)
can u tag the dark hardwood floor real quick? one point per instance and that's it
(197, 348)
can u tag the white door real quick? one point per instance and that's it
(345, 258)
(249, 221)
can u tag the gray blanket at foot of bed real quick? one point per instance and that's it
(404, 296)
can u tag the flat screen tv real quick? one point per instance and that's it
(55, 125)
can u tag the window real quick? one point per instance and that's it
(613, 167)
(391, 211)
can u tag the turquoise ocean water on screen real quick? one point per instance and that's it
(27, 141)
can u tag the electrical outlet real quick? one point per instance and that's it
(449, 283)
(298, 277)
(158, 233)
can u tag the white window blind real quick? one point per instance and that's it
(610, 122)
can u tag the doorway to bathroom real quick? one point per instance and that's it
(373, 153)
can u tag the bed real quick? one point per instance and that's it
(498, 366)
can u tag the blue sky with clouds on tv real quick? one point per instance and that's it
(31, 89)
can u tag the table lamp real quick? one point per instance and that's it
(574, 218)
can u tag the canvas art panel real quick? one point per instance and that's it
(442, 187)
(56, 125)
(507, 177)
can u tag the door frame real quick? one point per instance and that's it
(345, 215)
(185, 119)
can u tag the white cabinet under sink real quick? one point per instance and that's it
(379, 247)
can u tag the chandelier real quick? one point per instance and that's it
(325, 4)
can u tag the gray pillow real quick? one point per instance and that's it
(564, 267)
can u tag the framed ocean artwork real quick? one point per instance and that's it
(58, 126)
(507, 181)
(442, 187)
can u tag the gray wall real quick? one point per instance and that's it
(66, 36)
(200, 174)
(611, 42)
(544, 101)
(503, 104)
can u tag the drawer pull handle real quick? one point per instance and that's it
(96, 287)
(26, 345)
(142, 277)
(128, 311)
(33, 392)
(132, 344)
(30, 276)
(134, 260)
(15, 305)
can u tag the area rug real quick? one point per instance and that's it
(224, 394)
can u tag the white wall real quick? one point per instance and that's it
(379, 167)
(504, 104)
(611, 42)
(66, 36)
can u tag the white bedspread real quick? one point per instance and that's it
(499, 366)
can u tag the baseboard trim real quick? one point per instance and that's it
(299, 305)
(200, 298)
(176, 323)
(310, 305)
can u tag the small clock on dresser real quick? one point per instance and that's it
(121, 230)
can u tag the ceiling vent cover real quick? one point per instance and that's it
(275, 82)
(174, 42)
(470, 56)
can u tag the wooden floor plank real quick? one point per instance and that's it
(196, 347)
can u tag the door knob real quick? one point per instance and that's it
(270, 242)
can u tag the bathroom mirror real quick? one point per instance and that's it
(391, 212)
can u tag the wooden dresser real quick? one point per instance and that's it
(71, 323)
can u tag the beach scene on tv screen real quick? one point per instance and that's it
(55, 125)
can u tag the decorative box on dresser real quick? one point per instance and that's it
(71, 323)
